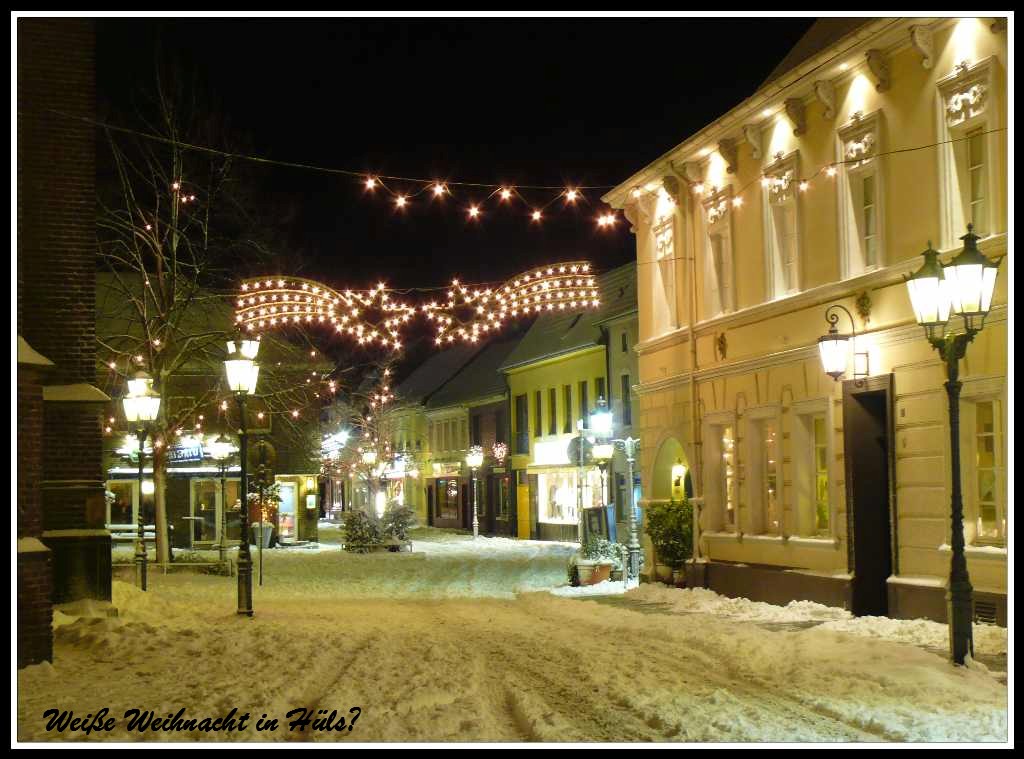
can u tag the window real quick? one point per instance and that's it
(522, 424)
(810, 479)
(727, 477)
(552, 411)
(122, 509)
(599, 386)
(475, 435)
(627, 405)
(968, 149)
(763, 453)
(499, 427)
(584, 404)
(989, 474)
(860, 196)
(663, 231)
(977, 182)
(782, 226)
(625, 342)
(567, 408)
(718, 261)
(538, 425)
(772, 516)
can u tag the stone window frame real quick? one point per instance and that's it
(801, 462)
(713, 426)
(782, 189)
(752, 476)
(966, 101)
(717, 221)
(977, 390)
(860, 140)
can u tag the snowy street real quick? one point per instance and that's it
(461, 641)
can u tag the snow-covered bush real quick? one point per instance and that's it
(670, 526)
(362, 532)
(600, 549)
(398, 520)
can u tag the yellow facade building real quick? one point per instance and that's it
(873, 139)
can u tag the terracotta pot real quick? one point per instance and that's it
(592, 572)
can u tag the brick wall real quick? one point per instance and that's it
(30, 451)
(56, 194)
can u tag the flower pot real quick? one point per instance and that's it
(593, 572)
(679, 578)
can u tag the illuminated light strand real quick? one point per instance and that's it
(803, 184)
(374, 317)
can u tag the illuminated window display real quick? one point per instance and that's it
(557, 497)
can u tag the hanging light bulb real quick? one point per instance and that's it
(474, 212)
(400, 201)
(535, 215)
(571, 195)
(438, 189)
(506, 193)
(371, 183)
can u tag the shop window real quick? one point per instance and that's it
(984, 474)
(121, 510)
(782, 225)
(720, 447)
(764, 473)
(811, 469)
(447, 498)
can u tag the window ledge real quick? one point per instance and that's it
(981, 553)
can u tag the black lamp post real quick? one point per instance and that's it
(963, 287)
(602, 423)
(141, 406)
(242, 372)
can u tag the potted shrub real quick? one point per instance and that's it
(596, 559)
(362, 532)
(670, 526)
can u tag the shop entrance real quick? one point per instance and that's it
(868, 444)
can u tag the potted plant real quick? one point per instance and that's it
(596, 559)
(670, 526)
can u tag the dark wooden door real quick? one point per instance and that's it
(867, 433)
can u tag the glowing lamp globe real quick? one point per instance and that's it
(930, 294)
(678, 480)
(972, 280)
(475, 457)
(241, 369)
(834, 349)
(601, 420)
(141, 404)
(221, 449)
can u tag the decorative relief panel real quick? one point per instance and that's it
(965, 92)
(860, 139)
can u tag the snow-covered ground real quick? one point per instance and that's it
(449, 643)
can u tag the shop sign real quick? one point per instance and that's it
(185, 452)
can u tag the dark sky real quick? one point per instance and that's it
(582, 102)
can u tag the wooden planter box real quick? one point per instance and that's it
(593, 572)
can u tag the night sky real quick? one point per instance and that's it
(581, 102)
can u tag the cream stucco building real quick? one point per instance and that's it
(872, 138)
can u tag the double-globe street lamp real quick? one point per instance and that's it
(963, 287)
(141, 406)
(474, 460)
(242, 372)
(601, 423)
(221, 450)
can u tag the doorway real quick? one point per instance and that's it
(868, 445)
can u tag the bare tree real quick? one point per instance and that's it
(171, 243)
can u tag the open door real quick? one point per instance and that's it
(870, 505)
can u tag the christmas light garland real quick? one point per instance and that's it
(468, 314)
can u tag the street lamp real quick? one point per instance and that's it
(221, 451)
(963, 287)
(141, 406)
(601, 421)
(474, 459)
(242, 372)
(835, 347)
